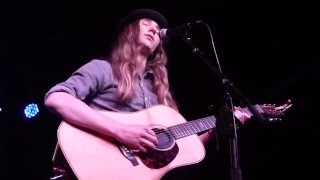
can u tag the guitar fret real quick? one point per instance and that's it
(207, 123)
(193, 129)
(202, 126)
(183, 130)
(178, 132)
(190, 131)
(175, 132)
(195, 125)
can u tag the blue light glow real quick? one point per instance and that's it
(31, 110)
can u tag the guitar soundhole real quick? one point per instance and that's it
(165, 139)
(166, 150)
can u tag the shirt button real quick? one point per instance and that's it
(146, 98)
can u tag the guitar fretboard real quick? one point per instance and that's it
(246, 110)
(192, 127)
(200, 125)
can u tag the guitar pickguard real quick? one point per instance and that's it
(157, 159)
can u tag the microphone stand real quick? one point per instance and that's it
(228, 124)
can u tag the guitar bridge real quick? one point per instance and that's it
(128, 154)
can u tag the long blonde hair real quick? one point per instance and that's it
(126, 68)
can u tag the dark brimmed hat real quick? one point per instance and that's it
(142, 13)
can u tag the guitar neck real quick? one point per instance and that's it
(246, 110)
(200, 125)
(193, 127)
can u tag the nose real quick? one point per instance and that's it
(154, 31)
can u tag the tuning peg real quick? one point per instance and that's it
(274, 119)
(288, 101)
(268, 104)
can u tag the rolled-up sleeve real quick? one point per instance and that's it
(86, 80)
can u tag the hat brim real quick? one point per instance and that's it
(143, 13)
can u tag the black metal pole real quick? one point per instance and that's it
(228, 123)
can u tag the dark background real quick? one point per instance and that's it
(269, 49)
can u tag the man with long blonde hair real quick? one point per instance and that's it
(133, 77)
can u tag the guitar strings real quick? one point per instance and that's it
(182, 130)
(172, 133)
(168, 134)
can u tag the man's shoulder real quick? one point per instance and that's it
(100, 63)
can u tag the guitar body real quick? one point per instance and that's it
(94, 158)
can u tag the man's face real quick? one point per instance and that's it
(149, 34)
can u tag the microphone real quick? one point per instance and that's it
(168, 33)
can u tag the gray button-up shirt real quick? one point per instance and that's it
(95, 84)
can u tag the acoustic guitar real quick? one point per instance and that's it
(92, 157)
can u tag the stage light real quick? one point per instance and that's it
(31, 110)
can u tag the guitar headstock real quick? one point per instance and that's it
(274, 112)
